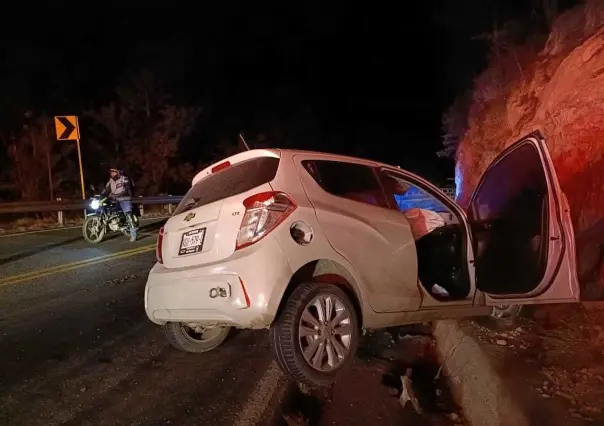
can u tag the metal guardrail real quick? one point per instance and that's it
(66, 205)
(60, 206)
(16, 207)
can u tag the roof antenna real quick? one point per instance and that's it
(244, 142)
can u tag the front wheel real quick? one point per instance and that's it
(316, 336)
(93, 229)
(190, 337)
(505, 316)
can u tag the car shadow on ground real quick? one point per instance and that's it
(410, 351)
(147, 229)
(393, 352)
(38, 250)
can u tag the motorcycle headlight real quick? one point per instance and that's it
(94, 204)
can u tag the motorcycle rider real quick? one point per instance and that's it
(120, 187)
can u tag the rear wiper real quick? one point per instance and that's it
(191, 204)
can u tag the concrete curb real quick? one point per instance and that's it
(476, 385)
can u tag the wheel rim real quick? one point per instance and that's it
(198, 334)
(93, 228)
(504, 311)
(325, 332)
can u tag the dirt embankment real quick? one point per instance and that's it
(554, 84)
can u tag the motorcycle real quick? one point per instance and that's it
(106, 216)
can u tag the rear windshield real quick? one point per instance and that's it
(233, 180)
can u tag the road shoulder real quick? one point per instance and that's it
(546, 370)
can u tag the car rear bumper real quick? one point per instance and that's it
(245, 291)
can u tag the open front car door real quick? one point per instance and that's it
(522, 233)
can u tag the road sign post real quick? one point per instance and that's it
(68, 129)
(80, 161)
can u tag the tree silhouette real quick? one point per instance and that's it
(33, 150)
(141, 131)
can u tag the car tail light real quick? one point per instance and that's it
(263, 213)
(158, 248)
(220, 166)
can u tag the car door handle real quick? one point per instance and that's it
(554, 238)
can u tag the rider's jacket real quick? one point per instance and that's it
(120, 188)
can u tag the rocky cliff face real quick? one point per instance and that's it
(559, 90)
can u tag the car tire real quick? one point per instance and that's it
(180, 337)
(505, 316)
(101, 234)
(288, 345)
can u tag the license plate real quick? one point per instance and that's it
(192, 241)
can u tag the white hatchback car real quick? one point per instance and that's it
(316, 247)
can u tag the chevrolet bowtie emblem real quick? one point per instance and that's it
(189, 217)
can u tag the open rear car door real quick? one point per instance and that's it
(521, 228)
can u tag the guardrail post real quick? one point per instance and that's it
(170, 206)
(60, 215)
(141, 208)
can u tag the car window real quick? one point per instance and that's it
(233, 180)
(348, 180)
(516, 185)
(407, 195)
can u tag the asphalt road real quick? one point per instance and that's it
(77, 349)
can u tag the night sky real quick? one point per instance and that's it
(366, 80)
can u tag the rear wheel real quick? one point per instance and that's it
(190, 337)
(93, 229)
(316, 335)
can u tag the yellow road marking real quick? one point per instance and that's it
(15, 279)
